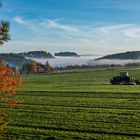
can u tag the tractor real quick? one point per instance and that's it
(124, 79)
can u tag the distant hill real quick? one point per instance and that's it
(19, 59)
(37, 54)
(123, 56)
(14, 59)
(66, 54)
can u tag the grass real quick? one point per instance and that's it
(77, 106)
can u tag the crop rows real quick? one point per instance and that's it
(64, 109)
(89, 113)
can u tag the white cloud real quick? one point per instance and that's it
(128, 31)
(133, 33)
(19, 20)
(26, 23)
(46, 26)
(57, 25)
(81, 38)
(112, 28)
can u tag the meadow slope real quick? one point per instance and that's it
(77, 106)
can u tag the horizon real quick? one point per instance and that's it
(85, 26)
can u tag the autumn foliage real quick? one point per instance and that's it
(9, 82)
(9, 85)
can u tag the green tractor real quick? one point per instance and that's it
(124, 79)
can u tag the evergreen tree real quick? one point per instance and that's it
(4, 30)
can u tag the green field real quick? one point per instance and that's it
(77, 106)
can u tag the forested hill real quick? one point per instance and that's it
(19, 59)
(37, 54)
(123, 56)
(13, 59)
(65, 54)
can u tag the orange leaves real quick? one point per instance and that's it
(9, 84)
(9, 72)
(11, 103)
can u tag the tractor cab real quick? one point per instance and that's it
(123, 79)
(124, 74)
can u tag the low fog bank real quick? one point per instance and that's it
(84, 60)
(66, 61)
(112, 62)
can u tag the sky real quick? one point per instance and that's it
(82, 26)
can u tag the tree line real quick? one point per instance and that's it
(35, 67)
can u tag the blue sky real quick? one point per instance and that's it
(83, 26)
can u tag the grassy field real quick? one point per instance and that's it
(77, 106)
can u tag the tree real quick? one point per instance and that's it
(4, 30)
(26, 68)
(17, 71)
(2, 64)
(48, 68)
(34, 66)
(9, 82)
